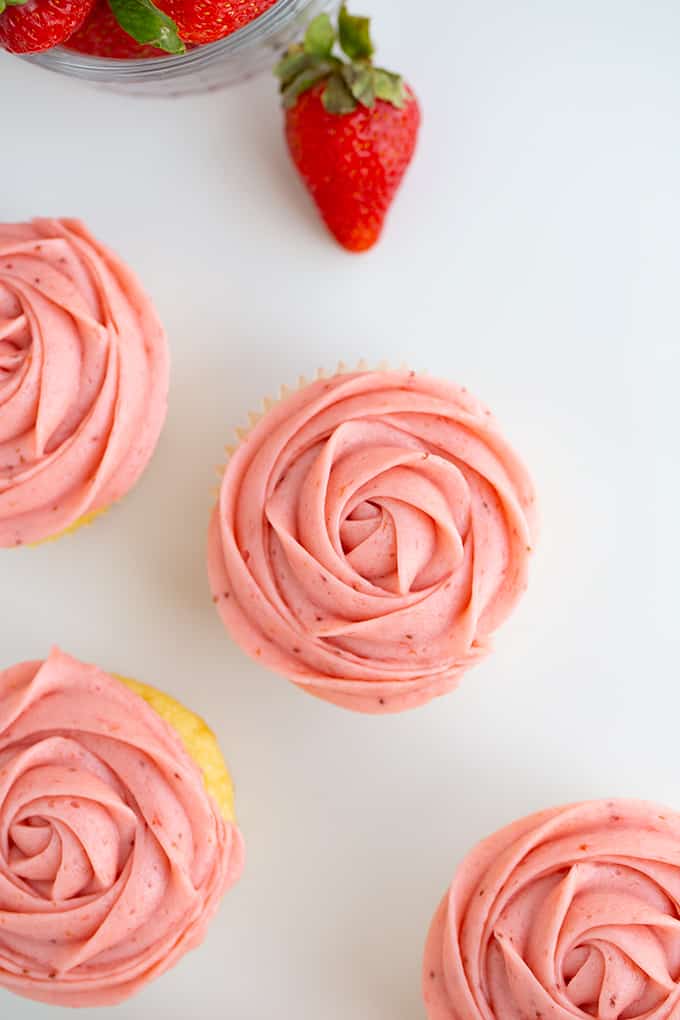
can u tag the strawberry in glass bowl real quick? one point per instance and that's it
(154, 47)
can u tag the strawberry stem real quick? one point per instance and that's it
(355, 35)
(320, 37)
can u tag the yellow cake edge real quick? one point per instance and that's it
(199, 741)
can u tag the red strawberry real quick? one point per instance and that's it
(206, 21)
(352, 163)
(102, 36)
(40, 24)
(351, 128)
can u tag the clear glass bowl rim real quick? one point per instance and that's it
(238, 43)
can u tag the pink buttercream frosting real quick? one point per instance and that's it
(568, 914)
(83, 378)
(113, 858)
(372, 531)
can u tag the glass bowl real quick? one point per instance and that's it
(227, 62)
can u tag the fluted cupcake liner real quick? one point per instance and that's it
(241, 432)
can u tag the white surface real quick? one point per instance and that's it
(533, 255)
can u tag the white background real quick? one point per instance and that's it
(533, 255)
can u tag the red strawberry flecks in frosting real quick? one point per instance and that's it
(113, 858)
(83, 378)
(372, 532)
(571, 912)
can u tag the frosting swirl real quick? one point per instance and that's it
(372, 531)
(83, 378)
(113, 858)
(571, 913)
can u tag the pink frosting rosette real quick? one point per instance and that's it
(570, 914)
(113, 858)
(372, 531)
(83, 378)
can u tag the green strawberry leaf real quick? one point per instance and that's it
(349, 82)
(320, 37)
(147, 24)
(359, 80)
(291, 64)
(337, 97)
(390, 87)
(304, 81)
(355, 35)
(10, 3)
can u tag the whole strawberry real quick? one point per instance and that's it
(351, 127)
(102, 36)
(206, 21)
(35, 25)
(113, 28)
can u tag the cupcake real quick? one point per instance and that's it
(117, 838)
(572, 912)
(372, 532)
(83, 379)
